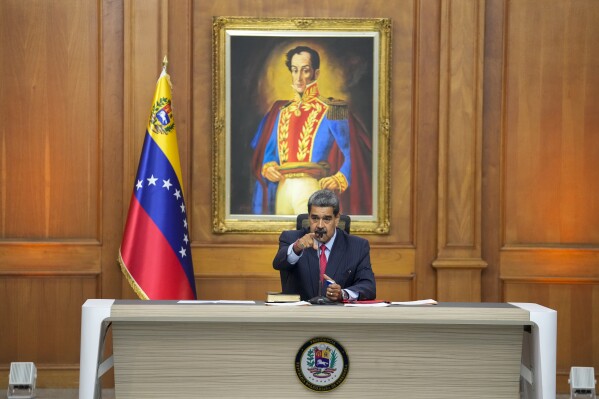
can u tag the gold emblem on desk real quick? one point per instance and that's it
(321, 364)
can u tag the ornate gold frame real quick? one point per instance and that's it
(380, 29)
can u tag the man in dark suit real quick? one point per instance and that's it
(347, 256)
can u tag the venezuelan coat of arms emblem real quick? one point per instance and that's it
(321, 364)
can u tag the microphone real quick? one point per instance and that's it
(320, 232)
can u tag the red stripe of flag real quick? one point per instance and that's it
(151, 260)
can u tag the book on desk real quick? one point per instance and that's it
(279, 297)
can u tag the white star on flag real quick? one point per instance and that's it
(152, 181)
(138, 185)
(166, 184)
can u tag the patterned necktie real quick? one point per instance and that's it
(323, 261)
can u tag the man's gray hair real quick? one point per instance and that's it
(324, 199)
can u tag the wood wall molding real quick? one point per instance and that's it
(491, 225)
(50, 258)
(549, 262)
(233, 260)
(112, 126)
(426, 61)
(460, 148)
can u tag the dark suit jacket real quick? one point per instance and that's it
(348, 264)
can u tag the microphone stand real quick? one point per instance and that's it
(321, 299)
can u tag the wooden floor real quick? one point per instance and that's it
(106, 394)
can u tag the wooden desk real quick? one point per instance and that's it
(465, 350)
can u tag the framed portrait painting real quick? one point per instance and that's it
(300, 105)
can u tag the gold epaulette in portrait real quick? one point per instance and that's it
(338, 109)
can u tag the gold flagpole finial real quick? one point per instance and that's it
(164, 62)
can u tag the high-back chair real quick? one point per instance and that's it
(303, 222)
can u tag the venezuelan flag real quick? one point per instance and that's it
(155, 254)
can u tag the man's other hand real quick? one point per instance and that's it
(333, 290)
(272, 173)
(329, 183)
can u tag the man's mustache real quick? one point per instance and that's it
(320, 231)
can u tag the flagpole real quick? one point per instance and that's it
(164, 72)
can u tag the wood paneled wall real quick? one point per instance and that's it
(543, 166)
(494, 159)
